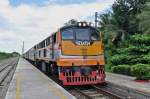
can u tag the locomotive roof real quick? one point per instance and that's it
(70, 26)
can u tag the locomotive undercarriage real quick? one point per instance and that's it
(74, 75)
(81, 75)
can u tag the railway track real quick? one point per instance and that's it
(109, 91)
(124, 92)
(93, 92)
(7, 69)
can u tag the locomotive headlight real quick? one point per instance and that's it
(84, 24)
(79, 24)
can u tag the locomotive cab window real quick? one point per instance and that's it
(82, 34)
(94, 35)
(87, 34)
(67, 34)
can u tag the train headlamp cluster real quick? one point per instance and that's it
(82, 24)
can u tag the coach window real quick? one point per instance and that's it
(34, 47)
(45, 52)
(43, 44)
(39, 53)
(48, 41)
(40, 45)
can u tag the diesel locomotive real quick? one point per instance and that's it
(74, 53)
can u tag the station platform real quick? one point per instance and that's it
(30, 83)
(128, 81)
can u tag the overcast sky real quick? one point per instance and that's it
(33, 20)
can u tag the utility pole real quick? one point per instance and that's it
(96, 19)
(23, 48)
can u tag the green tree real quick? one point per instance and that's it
(122, 21)
(125, 12)
(145, 19)
(124, 45)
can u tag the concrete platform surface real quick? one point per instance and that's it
(128, 81)
(29, 83)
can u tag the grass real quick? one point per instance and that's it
(4, 55)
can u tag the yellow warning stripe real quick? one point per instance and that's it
(18, 88)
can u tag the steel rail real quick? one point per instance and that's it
(81, 92)
(109, 93)
(129, 92)
(122, 92)
(4, 71)
(6, 75)
(99, 93)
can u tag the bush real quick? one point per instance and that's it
(122, 51)
(122, 69)
(135, 51)
(142, 60)
(147, 57)
(120, 59)
(140, 39)
(108, 67)
(4, 55)
(138, 49)
(141, 71)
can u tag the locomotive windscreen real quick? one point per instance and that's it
(80, 41)
(80, 33)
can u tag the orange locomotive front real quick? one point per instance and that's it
(74, 53)
(81, 57)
